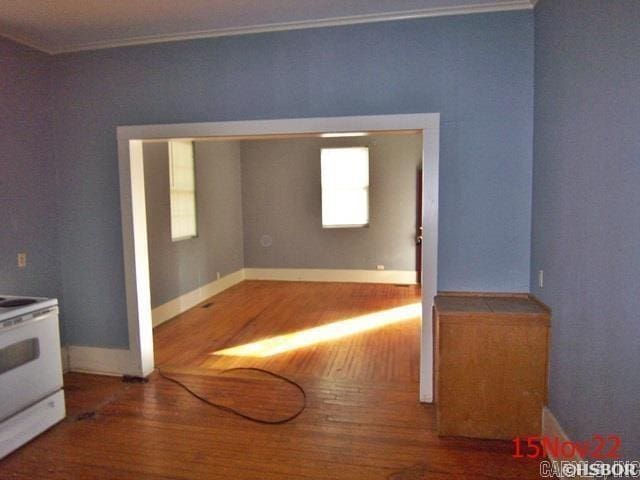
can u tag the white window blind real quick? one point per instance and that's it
(182, 187)
(345, 187)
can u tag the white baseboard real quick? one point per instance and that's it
(116, 361)
(551, 428)
(179, 305)
(331, 275)
(100, 361)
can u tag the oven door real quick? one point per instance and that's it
(30, 363)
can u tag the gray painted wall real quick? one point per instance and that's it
(476, 70)
(28, 215)
(586, 224)
(282, 200)
(277, 194)
(176, 268)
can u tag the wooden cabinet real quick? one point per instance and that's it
(490, 365)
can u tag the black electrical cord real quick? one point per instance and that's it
(238, 413)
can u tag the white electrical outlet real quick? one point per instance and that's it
(380, 267)
(541, 278)
(218, 275)
(22, 260)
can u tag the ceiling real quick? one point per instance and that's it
(57, 26)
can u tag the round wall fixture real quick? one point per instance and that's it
(266, 240)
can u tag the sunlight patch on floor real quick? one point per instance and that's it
(325, 333)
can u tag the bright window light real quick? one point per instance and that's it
(182, 188)
(345, 187)
(344, 134)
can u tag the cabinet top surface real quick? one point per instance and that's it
(489, 304)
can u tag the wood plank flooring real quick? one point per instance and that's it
(256, 310)
(363, 419)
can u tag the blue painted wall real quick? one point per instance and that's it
(476, 70)
(586, 224)
(27, 176)
(58, 117)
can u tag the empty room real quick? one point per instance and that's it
(320, 230)
(319, 240)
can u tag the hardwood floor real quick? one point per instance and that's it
(256, 310)
(363, 419)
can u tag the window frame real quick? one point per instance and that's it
(193, 191)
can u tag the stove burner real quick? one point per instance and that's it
(17, 302)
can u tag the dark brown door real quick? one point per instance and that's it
(419, 225)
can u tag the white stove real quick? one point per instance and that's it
(15, 307)
(31, 395)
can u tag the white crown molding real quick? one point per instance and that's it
(277, 27)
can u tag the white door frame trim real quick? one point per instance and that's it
(134, 220)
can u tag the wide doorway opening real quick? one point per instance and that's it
(288, 291)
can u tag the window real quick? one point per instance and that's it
(182, 188)
(345, 187)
